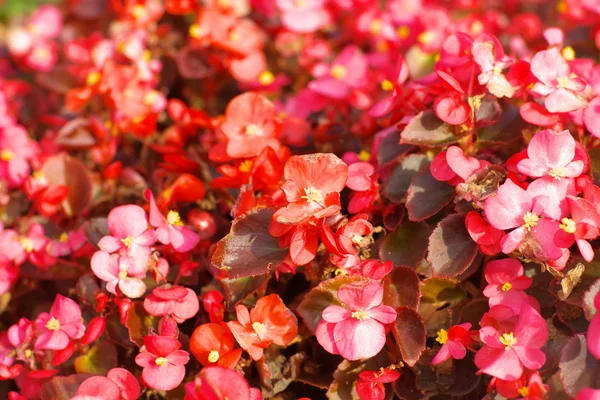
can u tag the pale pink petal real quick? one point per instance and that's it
(457, 350)
(563, 100)
(383, 314)
(361, 296)
(110, 244)
(505, 210)
(165, 377)
(132, 287)
(498, 362)
(52, 340)
(334, 314)
(358, 339)
(324, 334)
(182, 238)
(127, 221)
(512, 240)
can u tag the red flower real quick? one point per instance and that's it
(213, 344)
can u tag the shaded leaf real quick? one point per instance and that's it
(249, 249)
(98, 360)
(410, 333)
(488, 113)
(95, 230)
(398, 182)
(76, 134)
(62, 169)
(62, 387)
(578, 368)
(406, 246)
(402, 287)
(426, 129)
(427, 196)
(238, 289)
(390, 148)
(507, 128)
(588, 300)
(451, 249)
(322, 296)
(442, 291)
(139, 323)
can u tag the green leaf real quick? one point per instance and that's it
(426, 129)
(451, 249)
(407, 245)
(427, 196)
(322, 296)
(98, 360)
(249, 249)
(442, 291)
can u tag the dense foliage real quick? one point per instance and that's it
(299, 199)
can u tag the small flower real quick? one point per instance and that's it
(370, 383)
(16, 150)
(347, 72)
(269, 322)
(213, 344)
(176, 301)
(454, 343)
(218, 383)
(356, 330)
(162, 362)
(55, 329)
(506, 283)
(120, 271)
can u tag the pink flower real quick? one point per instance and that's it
(31, 246)
(485, 235)
(588, 394)
(118, 384)
(356, 330)
(453, 166)
(171, 230)
(506, 283)
(512, 207)
(556, 82)
(347, 72)
(176, 301)
(128, 226)
(552, 154)
(303, 16)
(583, 225)
(162, 362)
(593, 333)
(218, 383)
(64, 322)
(489, 55)
(507, 353)
(454, 343)
(16, 150)
(120, 271)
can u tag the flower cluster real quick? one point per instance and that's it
(250, 199)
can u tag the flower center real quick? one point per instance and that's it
(174, 218)
(474, 102)
(266, 78)
(364, 156)
(27, 244)
(160, 361)
(53, 324)
(213, 356)
(151, 97)
(557, 173)
(259, 328)
(508, 340)
(312, 195)
(530, 220)
(93, 78)
(524, 391)
(7, 154)
(442, 336)
(375, 27)
(122, 274)
(360, 315)
(563, 81)
(403, 32)
(339, 71)
(41, 54)
(506, 287)
(245, 166)
(568, 225)
(195, 31)
(128, 241)
(252, 130)
(387, 85)
(568, 53)
(64, 237)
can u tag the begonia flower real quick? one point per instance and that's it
(506, 283)
(175, 301)
(63, 323)
(213, 344)
(162, 362)
(454, 343)
(370, 383)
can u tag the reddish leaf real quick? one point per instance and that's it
(139, 323)
(398, 182)
(451, 249)
(426, 129)
(62, 387)
(588, 300)
(410, 333)
(427, 196)
(76, 134)
(578, 368)
(390, 148)
(406, 246)
(322, 296)
(249, 249)
(402, 287)
(238, 289)
(62, 169)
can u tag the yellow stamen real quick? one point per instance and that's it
(403, 31)
(426, 37)
(568, 53)
(147, 55)
(364, 156)
(382, 46)
(122, 274)
(360, 315)
(266, 78)
(339, 71)
(568, 225)
(387, 85)
(375, 27)
(213, 356)
(442, 336)
(151, 97)
(476, 27)
(53, 324)
(474, 102)
(245, 166)
(524, 391)
(557, 173)
(259, 328)
(312, 195)
(63, 237)
(174, 218)
(7, 155)
(508, 340)
(530, 220)
(234, 36)
(41, 54)
(195, 31)
(506, 287)
(27, 244)
(138, 11)
(128, 241)
(93, 78)
(160, 361)
(563, 81)
(252, 130)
